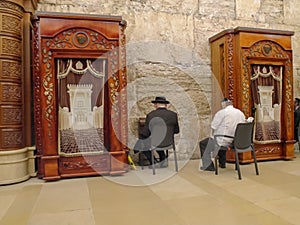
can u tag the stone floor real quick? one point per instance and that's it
(189, 197)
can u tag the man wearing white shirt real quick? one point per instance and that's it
(223, 123)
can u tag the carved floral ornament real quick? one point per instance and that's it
(12, 6)
(81, 38)
(37, 86)
(268, 149)
(230, 65)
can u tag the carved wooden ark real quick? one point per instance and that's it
(80, 109)
(253, 67)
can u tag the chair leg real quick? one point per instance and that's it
(175, 159)
(237, 163)
(152, 157)
(141, 160)
(216, 166)
(255, 162)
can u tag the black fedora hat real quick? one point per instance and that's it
(160, 99)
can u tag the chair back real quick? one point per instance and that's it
(243, 142)
(162, 134)
(243, 136)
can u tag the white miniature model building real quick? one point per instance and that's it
(80, 115)
(81, 106)
(265, 111)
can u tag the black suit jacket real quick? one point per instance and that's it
(161, 125)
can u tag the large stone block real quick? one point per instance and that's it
(168, 50)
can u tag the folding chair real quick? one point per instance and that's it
(242, 142)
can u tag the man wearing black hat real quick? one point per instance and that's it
(223, 123)
(160, 126)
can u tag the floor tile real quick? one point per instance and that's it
(189, 197)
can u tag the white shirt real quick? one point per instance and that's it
(225, 122)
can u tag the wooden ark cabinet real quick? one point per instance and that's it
(80, 108)
(253, 67)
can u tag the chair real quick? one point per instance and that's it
(167, 148)
(161, 139)
(242, 142)
(143, 158)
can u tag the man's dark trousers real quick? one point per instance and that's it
(207, 146)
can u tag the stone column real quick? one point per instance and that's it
(16, 150)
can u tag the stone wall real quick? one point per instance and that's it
(168, 51)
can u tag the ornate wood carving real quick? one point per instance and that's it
(268, 150)
(11, 83)
(122, 90)
(230, 66)
(11, 47)
(37, 89)
(247, 47)
(11, 115)
(71, 36)
(48, 82)
(11, 92)
(11, 24)
(11, 138)
(15, 9)
(89, 163)
(11, 70)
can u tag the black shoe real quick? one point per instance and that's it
(164, 164)
(223, 166)
(207, 169)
